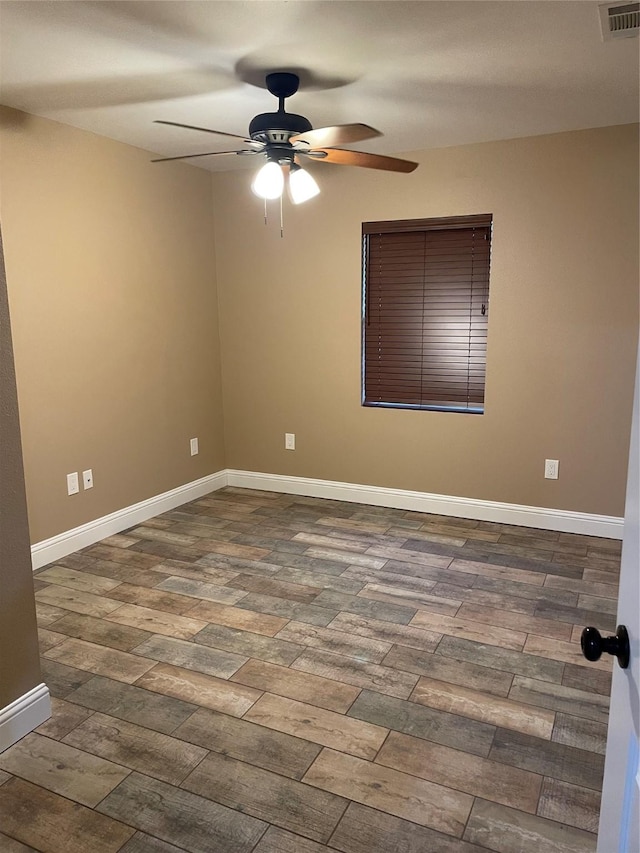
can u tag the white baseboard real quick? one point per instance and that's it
(87, 534)
(24, 715)
(565, 521)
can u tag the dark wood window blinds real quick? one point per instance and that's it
(426, 311)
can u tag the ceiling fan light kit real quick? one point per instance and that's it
(302, 185)
(284, 138)
(269, 181)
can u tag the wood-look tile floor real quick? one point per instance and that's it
(262, 673)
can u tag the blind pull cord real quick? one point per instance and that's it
(484, 302)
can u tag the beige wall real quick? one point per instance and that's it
(562, 330)
(112, 285)
(19, 664)
(111, 277)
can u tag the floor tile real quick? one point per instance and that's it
(548, 758)
(365, 830)
(270, 604)
(125, 570)
(112, 663)
(127, 702)
(347, 608)
(487, 709)
(236, 617)
(61, 679)
(529, 592)
(557, 697)
(581, 733)
(179, 817)
(324, 541)
(284, 802)
(367, 607)
(532, 666)
(48, 639)
(562, 651)
(49, 822)
(249, 645)
(204, 690)
(508, 831)
(402, 556)
(586, 678)
(333, 640)
(190, 655)
(385, 632)
(411, 583)
(428, 723)
(10, 845)
(47, 614)
(384, 679)
(577, 615)
(318, 725)
(482, 678)
(65, 716)
(391, 791)
(271, 750)
(570, 804)
(349, 558)
(461, 771)
(307, 563)
(516, 621)
(63, 576)
(202, 590)
(154, 599)
(455, 626)
(76, 600)
(281, 589)
(62, 769)
(99, 631)
(136, 748)
(323, 692)
(277, 840)
(142, 843)
(510, 571)
(410, 599)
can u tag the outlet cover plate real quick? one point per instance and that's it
(289, 441)
(551, 469)
(193, 444)
(73, 486)
(87, 479)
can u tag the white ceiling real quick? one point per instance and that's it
(427, 74)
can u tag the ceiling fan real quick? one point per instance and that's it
(286, 138)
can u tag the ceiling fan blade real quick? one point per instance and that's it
(338, 134)
(206, 154)
(361, 158)
(205, 130)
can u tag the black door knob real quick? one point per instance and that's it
(594, 644)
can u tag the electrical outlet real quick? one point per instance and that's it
(551, 469)
(73, 486)
(289, 441)
(87, 479)
(194, 446)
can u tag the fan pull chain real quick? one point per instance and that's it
(281, 220)
(265, 211)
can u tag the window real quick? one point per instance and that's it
(425, 312)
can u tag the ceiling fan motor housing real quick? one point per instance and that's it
(277, 127)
